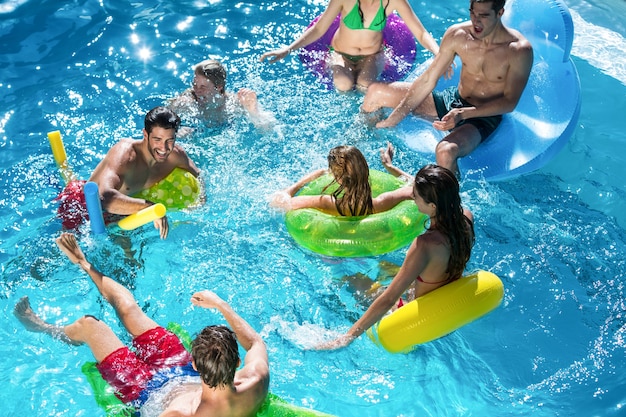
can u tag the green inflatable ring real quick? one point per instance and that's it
(356, 236)
(274, 406)
(180, 189)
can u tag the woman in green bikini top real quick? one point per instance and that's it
(356, 58)
(354, 19)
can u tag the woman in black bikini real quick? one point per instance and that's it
(435, 258)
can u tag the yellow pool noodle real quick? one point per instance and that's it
(58, 150)
(142, 217)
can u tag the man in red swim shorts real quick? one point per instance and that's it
(205, 382)
(129, 167)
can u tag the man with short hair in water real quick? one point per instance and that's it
(129, 167)
(496, 65)
(220, 390)
(208, 100)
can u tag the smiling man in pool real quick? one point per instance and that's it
(129, 167)
(496, 65)
(160, 377)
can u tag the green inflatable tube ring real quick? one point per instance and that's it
(345, 236)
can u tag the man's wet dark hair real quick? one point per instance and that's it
(162, 117)
(496, 5)
(216, 355)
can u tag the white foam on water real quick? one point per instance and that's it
(600, 46)
(9, 6)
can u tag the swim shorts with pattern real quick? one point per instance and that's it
(73, 207)
(130, 372)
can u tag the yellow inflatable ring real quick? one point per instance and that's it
(356, 236)
(439, 312)
(180, 189)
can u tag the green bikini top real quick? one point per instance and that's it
(354, 19)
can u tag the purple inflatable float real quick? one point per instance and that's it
(399, 43)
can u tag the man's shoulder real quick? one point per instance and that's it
(123, 146)
(513, 38)
(459, 29)
(125, 143)
(520, 43)
(457, 36)
(519, 49)
(178, 151)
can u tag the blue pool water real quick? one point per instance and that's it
(556, 237)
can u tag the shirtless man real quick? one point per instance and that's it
(131, 166)
(496, 65)
(210, 102)
(206, 382)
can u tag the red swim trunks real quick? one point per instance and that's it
(129, 372)
(72, 205)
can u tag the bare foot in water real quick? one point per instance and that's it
(68, 244)
(27, 316)
(32, 322)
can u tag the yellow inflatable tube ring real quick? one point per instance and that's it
(439, 312)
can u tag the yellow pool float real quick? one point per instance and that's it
(439, 312)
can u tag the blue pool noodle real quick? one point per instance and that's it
(94, 207)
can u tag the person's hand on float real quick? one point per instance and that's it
(277, 55)
(315, 174)
(162, 226)
(282, 199)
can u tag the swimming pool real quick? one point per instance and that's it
(556, 237)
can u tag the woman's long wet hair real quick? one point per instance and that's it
(438, 185)
(353, 196)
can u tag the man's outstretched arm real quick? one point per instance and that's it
(249, 339)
